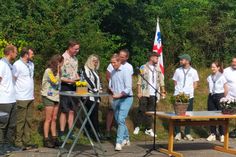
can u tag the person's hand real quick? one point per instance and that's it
(71, 81)
(58, 69)
(163, 95)
(109, 91)
(117, 96)
(139, 95)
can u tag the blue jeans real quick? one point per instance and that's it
(121, 109)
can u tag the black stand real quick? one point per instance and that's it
(154, 147)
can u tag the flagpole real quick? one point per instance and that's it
(155, 48)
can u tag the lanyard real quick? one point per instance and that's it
(30, 70)
(7, 62)
(153, 71)
(185, 75)
(214, 80)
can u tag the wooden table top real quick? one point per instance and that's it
(197, 115)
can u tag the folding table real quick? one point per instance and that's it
(82, 109)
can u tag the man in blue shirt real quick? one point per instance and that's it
(121, 89)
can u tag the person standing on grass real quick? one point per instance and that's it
(217, 89)
(50, 97)
(185, 80)
(146, 94)
(68, 79)
(230, 75)
(121, 88)
(90, 73)
(23, 71)
(124, 56)
(7, 100)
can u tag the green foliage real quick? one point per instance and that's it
(205, 29)
(180, 98)
(18, 43)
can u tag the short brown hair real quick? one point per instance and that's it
(8, 49)
(115, 56)
(126, 51)
(72, 43)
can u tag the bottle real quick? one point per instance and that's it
(81, 75)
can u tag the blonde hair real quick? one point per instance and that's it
(89, 62)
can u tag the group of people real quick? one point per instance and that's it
(61, 74)
(16, 98)
(221, 83)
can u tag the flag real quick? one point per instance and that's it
(157, 47)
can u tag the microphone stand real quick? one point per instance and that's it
(154, 148)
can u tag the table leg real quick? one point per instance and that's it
(86, 132)
(92, 127)
(70, 130)
(82, 127)
(226, 149)
(170, 151)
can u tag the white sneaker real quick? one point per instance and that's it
(118, 147)
(189, 137)
(178, 137)
(150, 133)
(125, 143)
(136, 131)
(212, 137)
(222, 138)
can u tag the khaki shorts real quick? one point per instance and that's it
(48, 102)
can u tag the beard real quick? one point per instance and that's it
(233, 67)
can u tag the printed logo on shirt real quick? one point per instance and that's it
(190, 75)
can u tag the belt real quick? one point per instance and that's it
(128, 96)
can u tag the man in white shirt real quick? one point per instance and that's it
(7, 99)
(185, 80)
(23, 71)
(124, 56)
(230, 76)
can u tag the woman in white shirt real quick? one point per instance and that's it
(217, 89)
(90, 74)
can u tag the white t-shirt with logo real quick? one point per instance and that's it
(185, 79)
(7, 91)
(24, 73)
(230, 76)
(216, 83)
(126, 66)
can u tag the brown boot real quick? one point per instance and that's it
(48, 143)
(56, 141)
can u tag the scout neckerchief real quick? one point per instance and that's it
(153, 72)
(214, 79)
(185, 75)
(27, 65)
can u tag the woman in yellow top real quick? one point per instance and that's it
(50, 98)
